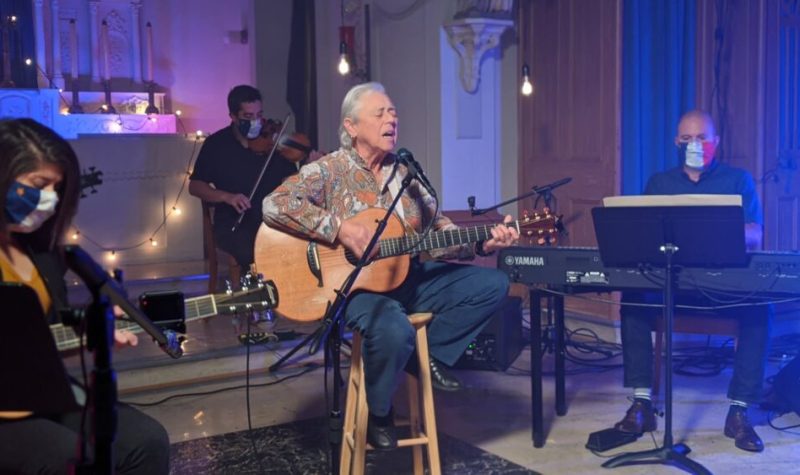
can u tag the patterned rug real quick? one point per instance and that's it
(301, 447)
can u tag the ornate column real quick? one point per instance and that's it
(41, 56)
(136, 45)
(472, 38)
(95, 49)
(58, 78)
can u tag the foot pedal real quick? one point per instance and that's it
(257, 338)
(608, 439)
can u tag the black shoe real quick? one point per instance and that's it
(442, 379)
(738, 427)
(381, 432)
(640, 418)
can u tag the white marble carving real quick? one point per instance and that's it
(53, 54)
(44, 106)
(58, 78)
(471, 38)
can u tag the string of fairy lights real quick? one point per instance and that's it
(116, 125)
(174, 211)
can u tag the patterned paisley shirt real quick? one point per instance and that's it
(315, 201)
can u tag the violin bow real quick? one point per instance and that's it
(264, 169)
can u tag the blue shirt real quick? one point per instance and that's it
(719, 179)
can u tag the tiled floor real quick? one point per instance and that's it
(492, 413)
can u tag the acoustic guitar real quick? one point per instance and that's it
(262, 296)
(308, 273)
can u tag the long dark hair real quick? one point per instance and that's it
(24, 146)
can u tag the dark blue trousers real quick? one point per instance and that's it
(461, 297)
(751, 348)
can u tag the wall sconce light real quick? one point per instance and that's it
(527, 87)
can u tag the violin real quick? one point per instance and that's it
(294, 147)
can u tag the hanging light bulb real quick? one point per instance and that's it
(153, 242)
(176, 210)
(344, 66)
(527, 87)
(75, 235)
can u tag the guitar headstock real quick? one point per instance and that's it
(540, 228)
(256, 294)
(90, 179)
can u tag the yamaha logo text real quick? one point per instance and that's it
(535, 261)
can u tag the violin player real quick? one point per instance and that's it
(228, 165)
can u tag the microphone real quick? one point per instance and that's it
(98, 280)
(415, 170)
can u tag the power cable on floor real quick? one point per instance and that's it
(309, 367)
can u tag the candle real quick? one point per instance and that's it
(104, 40)
(149, 52)
(73, 44)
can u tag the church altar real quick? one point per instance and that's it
(50, 107)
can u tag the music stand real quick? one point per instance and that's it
(29, 358)
(668, 237)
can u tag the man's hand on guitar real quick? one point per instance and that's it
(239, 202)
(124, 338)
(355, 237)
(502, 236)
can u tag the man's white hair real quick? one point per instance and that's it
(350, 106)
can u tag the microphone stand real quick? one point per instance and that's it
(331, 330)
(98, 280)
(100, 337)
(103, 384)
(545, 191)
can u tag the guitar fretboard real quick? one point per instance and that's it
(195, 308)
(438, 239)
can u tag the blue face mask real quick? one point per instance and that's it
(250, 128)
(27, 208)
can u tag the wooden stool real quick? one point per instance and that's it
(214, 255)
(354, 441)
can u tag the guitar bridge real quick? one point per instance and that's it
(314, 265)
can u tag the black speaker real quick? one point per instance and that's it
(787, 387)
(499, 343)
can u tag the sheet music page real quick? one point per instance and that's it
(673, 200)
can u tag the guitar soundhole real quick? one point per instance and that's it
(352, 259)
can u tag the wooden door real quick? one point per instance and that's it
(782, 126)
(570, 126)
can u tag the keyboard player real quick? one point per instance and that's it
(700, 173)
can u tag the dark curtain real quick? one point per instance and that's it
(658, 84)
(20, 37)
(301, 84)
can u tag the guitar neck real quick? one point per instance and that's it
(195, 308)
(438, 239)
